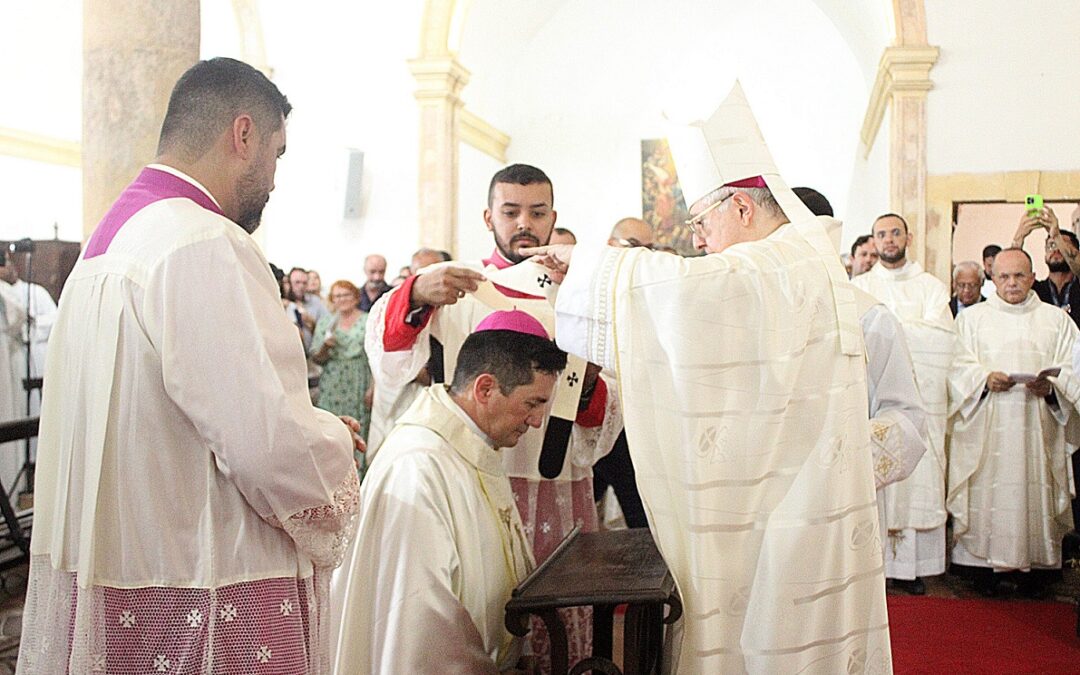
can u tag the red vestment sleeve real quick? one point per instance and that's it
(398, 334)
(593, 414)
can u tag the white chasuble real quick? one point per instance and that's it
(190, 501)
(748, 430)
(439, 549)
(1009, 484)
(921, 304)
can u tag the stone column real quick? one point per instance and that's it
(439, 80)
(908, 80)
(133, 53)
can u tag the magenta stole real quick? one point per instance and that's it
(151, 185)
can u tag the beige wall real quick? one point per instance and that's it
(979, 225)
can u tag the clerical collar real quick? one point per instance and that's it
(903, 270)
(1029, 303)
(443, 393)
(498, 260)
(184, 177)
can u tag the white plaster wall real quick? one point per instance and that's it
(344, 70)
(868, 197)
(1006, 95)
(475, 170)
(41, 81)
(579, 92)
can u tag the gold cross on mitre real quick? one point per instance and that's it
(728, 149)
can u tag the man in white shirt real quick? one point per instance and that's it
(441, 545)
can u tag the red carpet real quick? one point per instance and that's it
(951, 635)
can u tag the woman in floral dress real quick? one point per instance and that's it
(338, 346)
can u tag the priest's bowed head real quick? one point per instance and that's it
(505, 375)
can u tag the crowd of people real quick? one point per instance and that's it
(789, 437)
(994, 361)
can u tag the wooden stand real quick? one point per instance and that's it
(602, 569)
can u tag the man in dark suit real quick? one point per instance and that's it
(967, 281)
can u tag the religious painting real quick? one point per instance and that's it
(662, 203)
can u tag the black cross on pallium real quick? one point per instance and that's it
(544, 280)
(572, 379)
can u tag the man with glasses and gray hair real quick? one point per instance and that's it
(743, 376)
(967, 281)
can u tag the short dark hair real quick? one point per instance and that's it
(859, 241)
(991, 251)
(564, 232)
(1071, 237)
(445, 255)
(814, 200)
(209, 96)
(509, 356)
(891, 215)
(297, 269)
(519, 174)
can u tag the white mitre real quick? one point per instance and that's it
(728, 149)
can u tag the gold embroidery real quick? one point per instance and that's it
(880, 431)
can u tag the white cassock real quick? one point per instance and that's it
(897, 414)
(439, 549)
(914, 508)
(549, 508)
(190, 502)
(42, 310)
(12, 372)
(1009, 483)
(749, 433)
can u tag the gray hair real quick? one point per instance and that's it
(970, 266)
(763, 197)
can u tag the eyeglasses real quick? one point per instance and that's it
(697, 223)
(968, 285)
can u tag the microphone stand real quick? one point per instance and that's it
(28, 464)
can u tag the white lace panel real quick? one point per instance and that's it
(263, 626)
(323, 533)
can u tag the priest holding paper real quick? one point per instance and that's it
(743, 376)
(1008, 471)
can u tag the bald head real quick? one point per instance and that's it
(630, 232)
(375, 271)
(1013, 275)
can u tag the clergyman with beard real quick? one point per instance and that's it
(1060, 287)
(914, 508)
(440, 303)
(183, 476)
